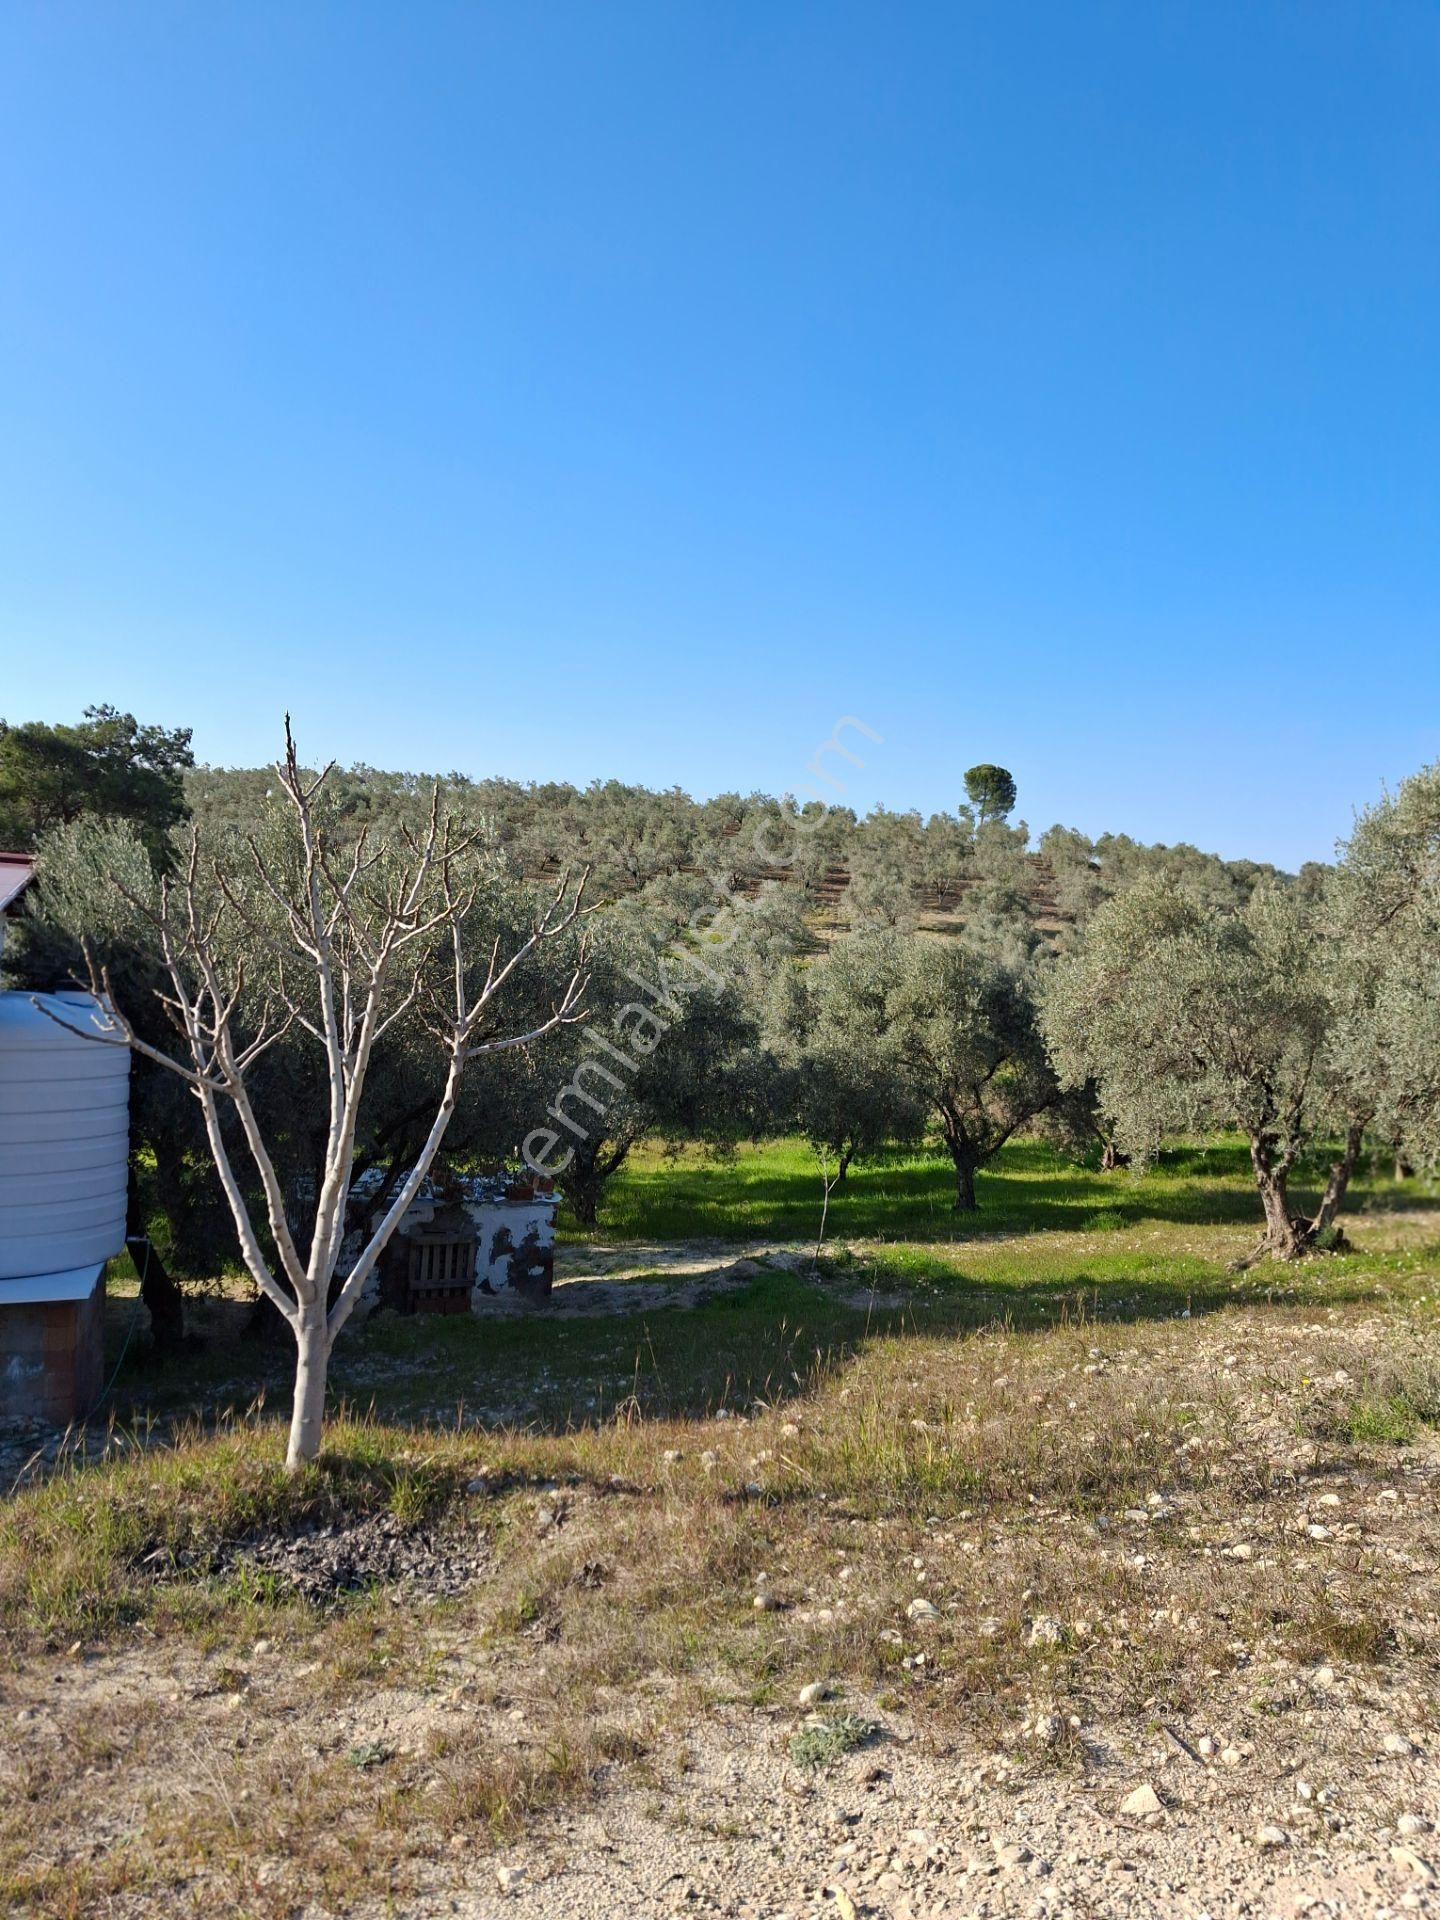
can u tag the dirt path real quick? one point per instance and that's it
(591, 1283)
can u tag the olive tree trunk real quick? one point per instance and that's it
(1290, 1235)
(965, 1201)
(1338, 1184)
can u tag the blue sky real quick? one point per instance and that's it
(627, 389)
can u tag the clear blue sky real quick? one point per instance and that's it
(629, 389)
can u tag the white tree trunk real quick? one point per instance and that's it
(312, 1356)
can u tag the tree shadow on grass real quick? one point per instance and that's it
(772, 1340)
(775, 1193)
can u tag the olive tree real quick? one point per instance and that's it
(1387, 890)
(666, 1049)
(885, 865)
(301, 928)
(947, 851)
(840, 1079)
(965, 1026)
(956, 1028)
(1189, 1014)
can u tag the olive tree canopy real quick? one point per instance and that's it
(1388, 894)
(665, 1049)
(1188, 1014)
(905, 1026)
(840, 1078)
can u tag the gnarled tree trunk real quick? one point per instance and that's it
(1284, 1237)
(1338, 1183)
(1289, 1235)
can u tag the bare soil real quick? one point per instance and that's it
(1195, 1556)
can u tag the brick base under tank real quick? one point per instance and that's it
(52, 1357)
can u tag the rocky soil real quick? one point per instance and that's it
(327, 1565)
(909, 1834)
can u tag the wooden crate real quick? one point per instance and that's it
(441, 1274)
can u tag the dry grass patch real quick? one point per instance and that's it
(1018, 1544)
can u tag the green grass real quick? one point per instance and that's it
(1391, 1421)
(773, 1191)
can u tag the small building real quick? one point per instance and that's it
(463, 1243)
(64, 1171)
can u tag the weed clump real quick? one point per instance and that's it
(826, 1738)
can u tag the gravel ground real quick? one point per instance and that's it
(899, 1832)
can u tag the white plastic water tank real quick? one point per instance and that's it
(64, 1137)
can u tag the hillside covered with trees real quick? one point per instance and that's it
(679, 971)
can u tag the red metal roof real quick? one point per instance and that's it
(16, 871)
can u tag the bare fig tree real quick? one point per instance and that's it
(308, 928)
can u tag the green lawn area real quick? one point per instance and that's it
(773, 1191)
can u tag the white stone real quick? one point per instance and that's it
(1141, 1801)
(1397, 1744)
(1268, 1838)
(921, 1610)
(1407, 1857)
